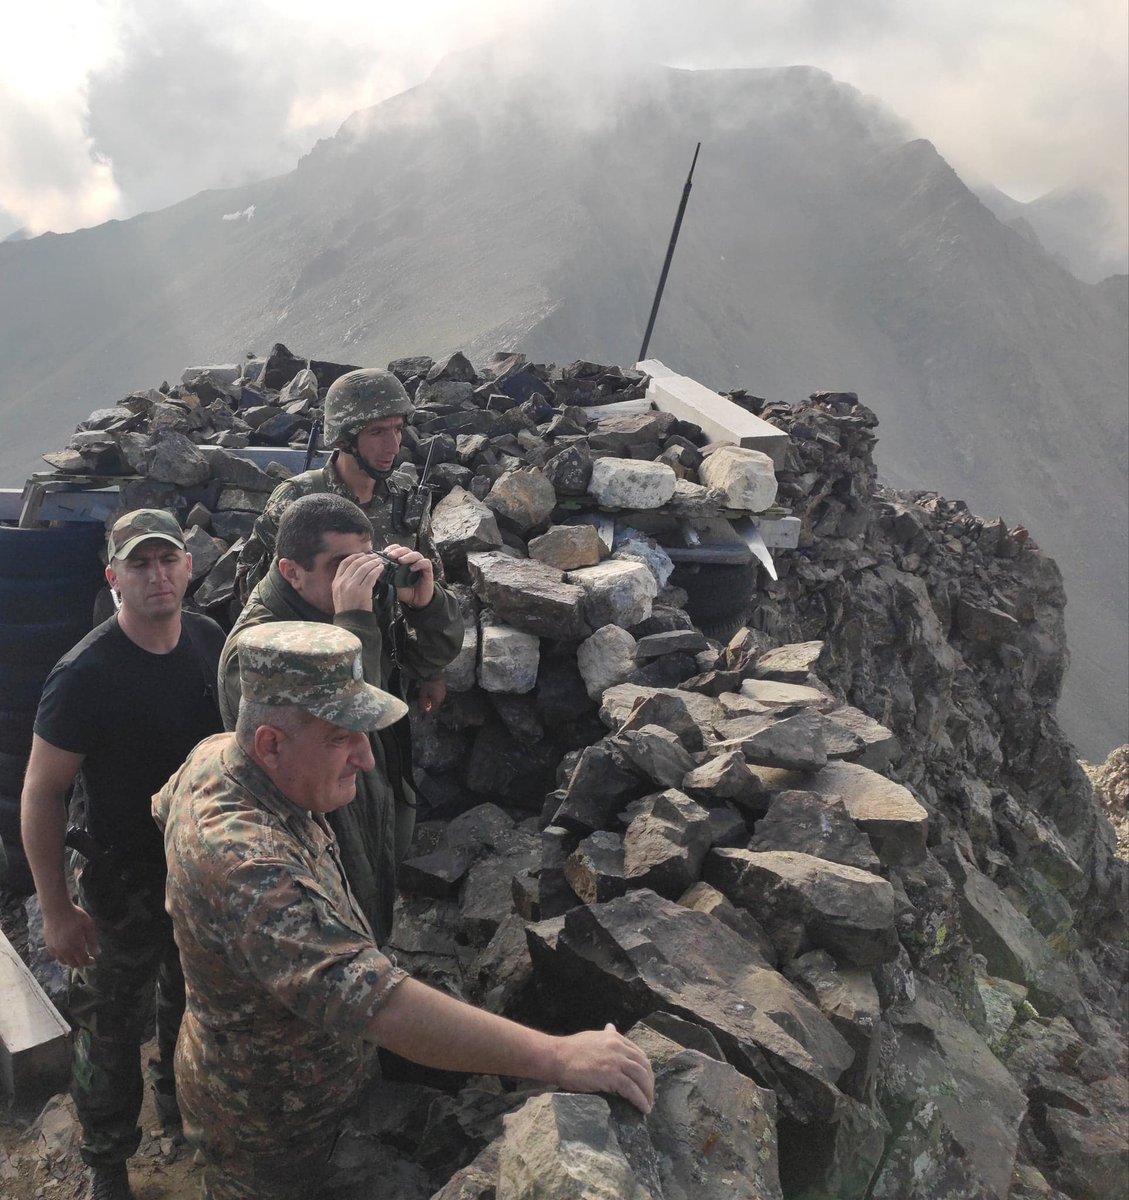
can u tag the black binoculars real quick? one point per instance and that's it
(400, 575)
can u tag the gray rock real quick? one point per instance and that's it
(1011, 945)
(461, 672)
(985, 622)
(774, 694)
(791, 743)
(641, 952)
(656, 753)
(281, 429)
(487, 892)
(884, 810)
(563, 1147)
(727, 826)
(848, 997)
(617, 703)
(172, 458)
(240, 499)
(725, 776)
(879, 747)
(600, 783)
(228, 526)
(595, 869)
(465, 839)
(503, 968)
(456, 367)
(462, 524)
(667, 838)
(529, 595)
(680, 641)
(792, 663)
(219, 586)
(522, 500)
(568, 547)
(223, 374)
(570, 471)
(615, 593)
(668, 710)
(605, 659)
(615, 434)
(807, 902)
(810, 823)
(704, 897)
(746, 477)
(964, 1109)
(630, 483)
(204, 550)
(508, 659)
(713, 1132)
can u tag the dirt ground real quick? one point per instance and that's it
(42, 1162)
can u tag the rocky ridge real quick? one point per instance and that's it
(841, 874)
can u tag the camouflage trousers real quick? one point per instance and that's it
(135, 978)
(350, 1164)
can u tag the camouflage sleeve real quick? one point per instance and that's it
(366, 627)
(258, 550)
(434, 635)
(229, 690)
(292, 941)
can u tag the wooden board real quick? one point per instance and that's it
(35, 1047)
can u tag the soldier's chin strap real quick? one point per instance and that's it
(351, 448)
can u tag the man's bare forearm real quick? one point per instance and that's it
(43, 821)
(435, 1030)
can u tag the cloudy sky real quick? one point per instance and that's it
(112, 107)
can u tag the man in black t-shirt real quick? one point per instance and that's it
(123, 707)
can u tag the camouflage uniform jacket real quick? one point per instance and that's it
(383, 510)
(375, 830)
(282, 975)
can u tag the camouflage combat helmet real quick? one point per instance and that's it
(358, 398)
(315, 667)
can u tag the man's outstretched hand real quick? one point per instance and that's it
(605, 1061)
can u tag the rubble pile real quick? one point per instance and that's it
(840, 873)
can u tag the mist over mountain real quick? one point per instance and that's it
(1077, 226)
(823, 247)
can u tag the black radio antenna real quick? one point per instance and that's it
(669, 254)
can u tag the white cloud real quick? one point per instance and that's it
(111, 107)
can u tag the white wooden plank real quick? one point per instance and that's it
(721, 419)
(35, 1049)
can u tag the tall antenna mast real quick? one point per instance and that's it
(669, 254)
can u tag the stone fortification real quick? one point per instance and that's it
(840, 872)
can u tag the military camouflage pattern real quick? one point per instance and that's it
(386, 510)
(358, 398)
(283, 978)
(139, 526)
(111, 1001)
(317, 668)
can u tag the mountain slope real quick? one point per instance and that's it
(821, 248)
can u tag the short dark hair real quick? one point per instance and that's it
(306, 521)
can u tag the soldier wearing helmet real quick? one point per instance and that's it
(365, 412)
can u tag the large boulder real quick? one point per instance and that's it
(809, 902)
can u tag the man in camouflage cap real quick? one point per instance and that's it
(363, 421)
(288, 993)
(119, 712)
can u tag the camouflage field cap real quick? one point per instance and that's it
(360, 397)
(141, 525)
(315, 667)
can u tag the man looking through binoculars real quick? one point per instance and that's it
(325, 570)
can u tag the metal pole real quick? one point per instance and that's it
(669, 255)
